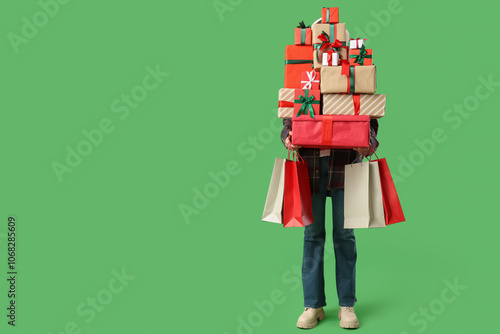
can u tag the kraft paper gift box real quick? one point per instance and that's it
(307, 102)
(298, 59)
(372, 105)
(326, 132)
(290, 103)
(285, 104)
(362, 56)
(310, 80)
(330, 15)
(340, 35)
(338, 30)
(303, 34)
(348, 79)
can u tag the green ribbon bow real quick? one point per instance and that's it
(302, 27)
(307, 103)
(360, 59)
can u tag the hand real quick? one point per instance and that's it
(288, 142)
(362, 150)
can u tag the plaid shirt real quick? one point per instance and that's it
(338, 158)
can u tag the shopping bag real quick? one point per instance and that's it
(392, 206)
(363, 202)
(297, 206)
(274, 199)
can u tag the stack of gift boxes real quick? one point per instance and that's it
(330, 84)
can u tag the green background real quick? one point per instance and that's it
(119, 208)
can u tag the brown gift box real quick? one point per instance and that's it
(372, 105)
(363, 80)
(339, 33)
(286, 104)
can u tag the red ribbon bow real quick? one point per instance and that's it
(325, 39)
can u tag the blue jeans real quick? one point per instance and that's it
(344, 244)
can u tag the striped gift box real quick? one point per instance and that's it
(372, 105)
(285, 106)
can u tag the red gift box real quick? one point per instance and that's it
(305, 100)
(363, 57)
(310, 80)
(298, 59)
(330, 15)
(339, 131)
(303, 36)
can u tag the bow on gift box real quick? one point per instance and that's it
(302, 25)
(307, 103)
(326, 44)
(311, 77)
(360, 59)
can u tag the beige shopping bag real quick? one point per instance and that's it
(363, 203)
(274, 200)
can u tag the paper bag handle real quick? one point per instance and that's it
(295, 155)
(371, 149)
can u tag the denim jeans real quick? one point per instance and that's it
(344, 244)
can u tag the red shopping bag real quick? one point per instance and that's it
(392, 206)
(297, 206)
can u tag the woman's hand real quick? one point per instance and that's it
(288, 142)
(362, 150)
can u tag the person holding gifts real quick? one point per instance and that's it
(326, 174)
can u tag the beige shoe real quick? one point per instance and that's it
(348, 318)
(310, 317)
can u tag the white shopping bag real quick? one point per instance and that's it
(363, 203)
(274, 200)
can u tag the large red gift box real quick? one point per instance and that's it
(337, 131)
(298, 59)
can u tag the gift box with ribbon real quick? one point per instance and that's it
(329, 37)
(330, 15)
(298, 59)
(372, 105)
(348, 79)
(356, 43)
(303, 34)
(361, 57)
(331, 132)
(310, 80)
(285, 104)
(330, 58)
(307, 102)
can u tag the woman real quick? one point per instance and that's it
(326, 175)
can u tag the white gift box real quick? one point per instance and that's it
(356, 44)
(335, 59)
